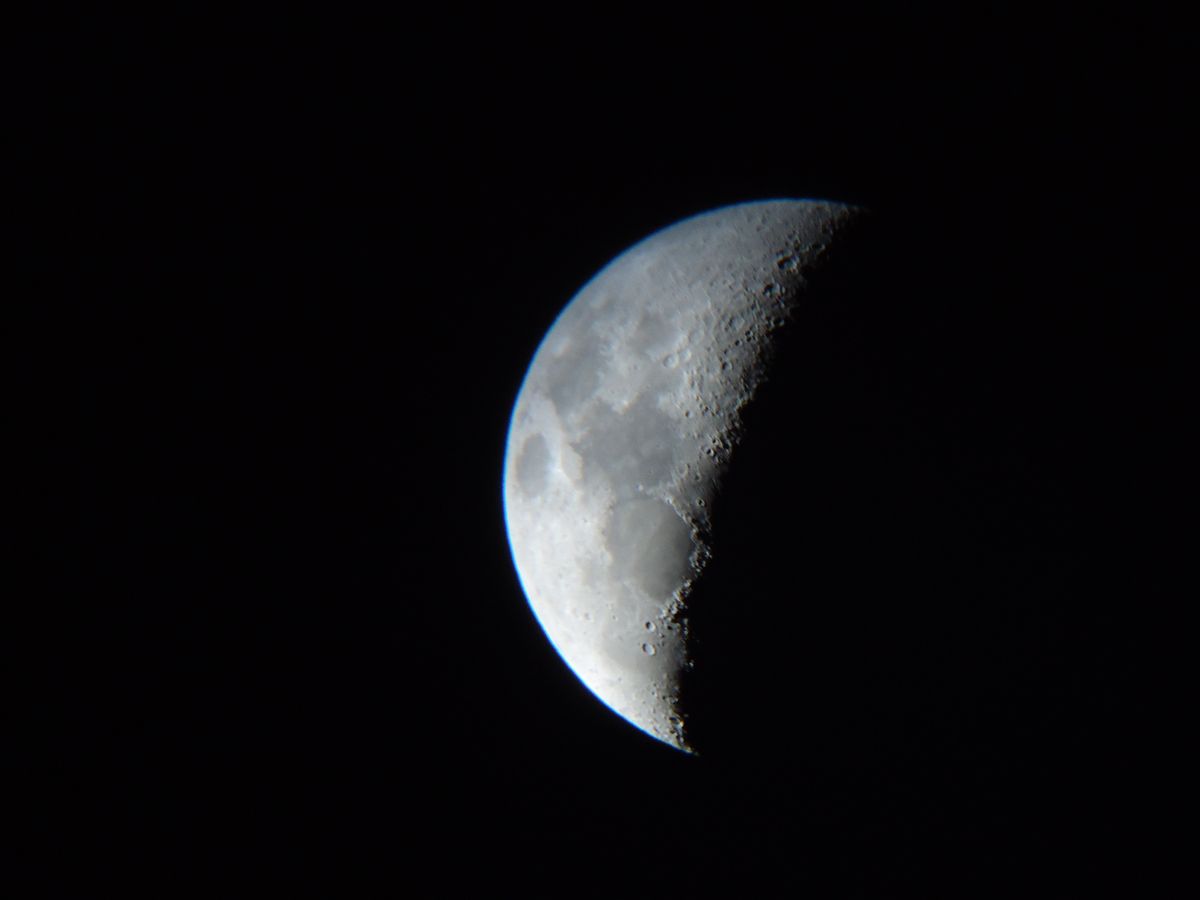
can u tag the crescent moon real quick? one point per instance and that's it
(628, 414)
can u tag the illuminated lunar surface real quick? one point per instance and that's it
(628, 415)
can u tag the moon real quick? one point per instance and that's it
(626, 419)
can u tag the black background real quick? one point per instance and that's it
(295, 269)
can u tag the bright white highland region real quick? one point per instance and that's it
(625, 420)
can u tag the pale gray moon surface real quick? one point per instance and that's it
(628, 415)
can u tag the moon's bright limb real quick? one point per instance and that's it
(627, 416)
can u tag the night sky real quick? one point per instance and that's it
(295, 273)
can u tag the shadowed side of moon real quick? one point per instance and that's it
(883, 543)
